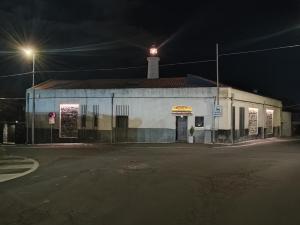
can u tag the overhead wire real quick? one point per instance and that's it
(292, 106)
(144, 66)
(259, 50)
(104, 69)
(189, 62)
(15, 75)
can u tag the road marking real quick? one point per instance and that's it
(10, 167)
(14, 167)
(257, 142)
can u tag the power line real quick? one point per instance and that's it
(106, 69)
(15, 75)
(3, 98)
(190, 62)
(144, 66)
(90, 70)
(8, 52)
(123, 68)
(259, 50)
(291, 106)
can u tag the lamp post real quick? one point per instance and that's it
(30, 53)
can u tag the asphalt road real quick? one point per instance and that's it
(170, 184)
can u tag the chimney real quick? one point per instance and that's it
(153, 64)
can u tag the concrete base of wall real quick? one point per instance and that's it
(224, 136)
(150, 135)
(147, 135)
(153, 135)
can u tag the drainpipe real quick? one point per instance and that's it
(263, 125)
(27, 118)
(112, 119)
(232, 128)
(213, 133)
(280, 129)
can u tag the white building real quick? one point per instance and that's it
(286, 124)
(150, 110)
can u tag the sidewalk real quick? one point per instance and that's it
(256, 142)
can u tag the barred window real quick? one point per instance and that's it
(122, 110)
(95, 115)
(83, 115)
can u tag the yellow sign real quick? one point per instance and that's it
(182, 109)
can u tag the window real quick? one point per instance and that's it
(199, 121)
(122, 110)
(83, 115)
(68, 120)
(95, 115)
(253, 121)
(242, 121)
(122, 113)
(269, 121)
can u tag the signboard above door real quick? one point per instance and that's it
(182, 109)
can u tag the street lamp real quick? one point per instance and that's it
(30, 53)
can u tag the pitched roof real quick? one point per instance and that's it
(175, 82)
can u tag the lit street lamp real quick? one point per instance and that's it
(30, 53)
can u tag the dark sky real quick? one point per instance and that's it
(117, 33)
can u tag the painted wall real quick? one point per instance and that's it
(148, 108)
(246, 100)
(286, 124)
(152, 108)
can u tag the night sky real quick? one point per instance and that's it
(76, 35)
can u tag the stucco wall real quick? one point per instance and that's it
(152, 108)
(148, 108)
(247, 100)
(286, 124)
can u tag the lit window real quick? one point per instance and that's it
(199, 121)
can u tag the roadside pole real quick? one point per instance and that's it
(112, 119)
(217, 100)
(51, 126)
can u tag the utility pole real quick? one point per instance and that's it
(217, 99)
(217, 72)
(112, 119)
(30, 53)
(27, 118)
(33, 99)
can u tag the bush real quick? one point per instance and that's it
(192, 130)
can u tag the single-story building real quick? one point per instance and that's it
(296, 124)
(149, 110)
(286, 124)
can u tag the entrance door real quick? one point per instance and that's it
(181, 128)
(121, 128)
(233, 123)
(242, 122)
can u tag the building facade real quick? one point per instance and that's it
(286, 130)
(160, 110)
(296, 124)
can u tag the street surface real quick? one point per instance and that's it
(12, 167)
(155, 184)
